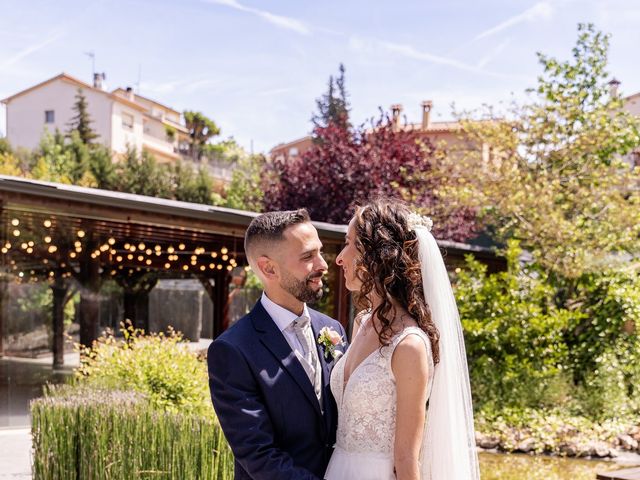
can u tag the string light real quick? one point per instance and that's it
(130, 257)
(202, 267)
(167, 265)
(15, 222)
(219, 267)
(16, 233)
(81, 233)
(72, 254)
(225, 257)
(212, 266)
(47, 239)
(111, 241)
(118, 258)
(181, 246)
(224, 250)
(30, 243)
(29, 250)
(148, 251)
(157, 248)
(126, 246)
(141, 246)
(185, 267)
(171, 249)
(140, 258)
(229, 267)
(214, 254)
(24, 245)
(148, 262)
(132, 248)
(47, 223)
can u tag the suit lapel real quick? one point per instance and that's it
(273, 339)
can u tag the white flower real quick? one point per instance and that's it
(416, 220)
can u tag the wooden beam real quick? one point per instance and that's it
(626, 474)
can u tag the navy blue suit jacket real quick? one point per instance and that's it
(266, 404)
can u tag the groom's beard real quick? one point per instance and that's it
(301, 289)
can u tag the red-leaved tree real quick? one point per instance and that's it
(347, 166)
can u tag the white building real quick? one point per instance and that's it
(121, 118)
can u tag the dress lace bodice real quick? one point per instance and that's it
(367, 402)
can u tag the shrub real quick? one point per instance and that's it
(160, 366)
(86, 433)
(514, 335)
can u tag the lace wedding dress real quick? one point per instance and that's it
(367, 414)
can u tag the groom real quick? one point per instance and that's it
(268, 376)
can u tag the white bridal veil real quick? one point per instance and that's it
(449, 449)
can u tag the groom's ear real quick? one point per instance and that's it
(267, 267)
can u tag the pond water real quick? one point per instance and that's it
(497, 466)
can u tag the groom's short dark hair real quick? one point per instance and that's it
(270, 226)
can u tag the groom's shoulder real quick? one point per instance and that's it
(325, 319)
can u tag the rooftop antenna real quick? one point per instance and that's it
(91, 54)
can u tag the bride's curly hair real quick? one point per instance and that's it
(388, 265)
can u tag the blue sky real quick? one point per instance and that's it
(256, 67)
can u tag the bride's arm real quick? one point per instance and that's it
(410, 369)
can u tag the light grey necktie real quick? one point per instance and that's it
(310, 362)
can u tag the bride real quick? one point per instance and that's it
(402, 388)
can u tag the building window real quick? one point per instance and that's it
(293, 151)
(127, 121)
(49, 117)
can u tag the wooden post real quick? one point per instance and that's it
(4, 285)
(221, 296)
(60, 289)
(89, 294)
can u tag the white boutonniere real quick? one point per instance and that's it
(330, 339)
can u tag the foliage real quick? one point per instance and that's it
(81, 433)
(245, 189)
(527, 351)
(81, 122)
(140, 173)
(333, 106)
(201, 130)
(157, 365)
(344, 168)
(40, 299)
(514, 335)
(9, 164)
(191, 186)
(555, 178)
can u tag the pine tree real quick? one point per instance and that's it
(333, 106)
(81, 122)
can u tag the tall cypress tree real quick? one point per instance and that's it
(81, 122)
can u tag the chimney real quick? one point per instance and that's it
(427, 105)
(130, 94)
(98, 80)
(614, 83)
(396, 109)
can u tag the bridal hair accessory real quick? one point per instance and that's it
(330, 339)
(415, 220)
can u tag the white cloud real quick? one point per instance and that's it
(277, 20)
(541, 10)
(484, 61)
(373, 47)
(25, 52)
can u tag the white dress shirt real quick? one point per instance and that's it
(284, 319)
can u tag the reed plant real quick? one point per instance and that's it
(90, 434)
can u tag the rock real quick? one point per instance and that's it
(627, 442)
(568, 449)
(601, 450)
(613, 453)
(487, 441)
(635, 433)
(526, 445)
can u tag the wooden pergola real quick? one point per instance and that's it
(56, 232)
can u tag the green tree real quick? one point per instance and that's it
(245, 191)
(190, 185)
(81, 122)
(201, 130)
(555, 178)
(333, 106)
(140, 173)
